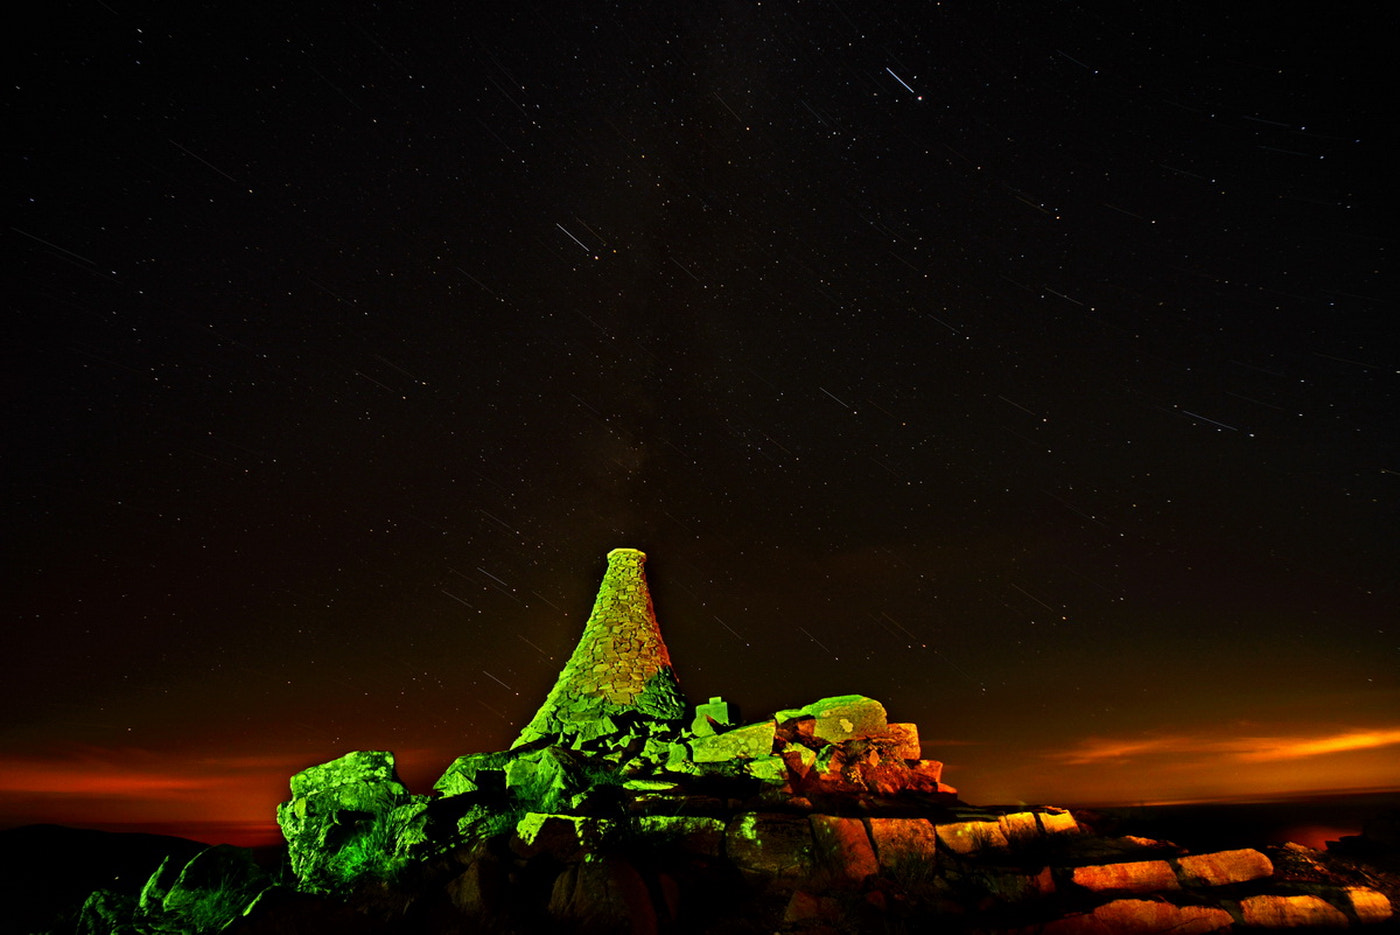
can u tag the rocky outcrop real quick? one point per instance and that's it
(621, 809)
(205, 893)
(349, 819)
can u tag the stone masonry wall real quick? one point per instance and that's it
(620, 663)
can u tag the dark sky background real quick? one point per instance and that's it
(1029, 367)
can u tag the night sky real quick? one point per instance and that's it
(1029, 367)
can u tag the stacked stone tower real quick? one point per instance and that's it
(619, 667)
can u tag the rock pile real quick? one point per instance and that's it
(621, 809)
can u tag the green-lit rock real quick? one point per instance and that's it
(769, 769)
(838, 718)
(152, 899)
(661, 697)
(469, 773)
(718, 715)
(563, 837)
(353, 769)
(340, 823)
(693, 834)
(753, 740)
(214, 886)
(546, 780)
(108, 913)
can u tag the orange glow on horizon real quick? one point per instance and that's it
(232, 795)
(1244, 748)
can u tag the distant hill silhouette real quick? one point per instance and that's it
(46, 871)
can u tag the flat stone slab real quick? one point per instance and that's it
(1138, 876)
(748, 742)
(840, 717)
(1141, 917)
(1270, 911)
(1369, 905)
(1224, 867)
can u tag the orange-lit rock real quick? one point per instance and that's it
(902, 740)
(902, 841)
(799, 759)
(842, 849)
(1369, 905)
(1137, 876)
(1224, 867)
(1141, 917)
(1019, 827)
(1058, 821)
(812, 912)
(1272, 911)
(968, 837)
(839, 718)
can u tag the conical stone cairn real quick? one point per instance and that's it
(619, 667)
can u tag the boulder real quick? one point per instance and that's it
(900, 842)
(1223, 867)
(1137, 876)
(1019, 828)
(603, 894)
(565, 838)
(340, 823)
(969, 837)
(764, 846)
(799, 759)
(751, 741)
(218, 883)
(1271, 910)
(1057, 821)
(902, 740)
(842, 849)
(546, 780)
(1369, 905)
(1141, 917)
(358, 769)
(838, 718)
(472, 772)
(770, 769)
